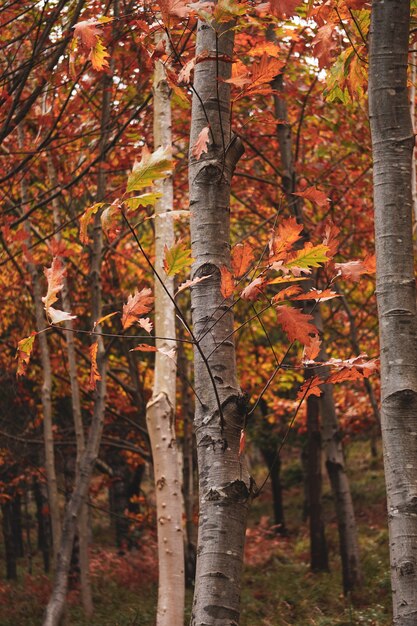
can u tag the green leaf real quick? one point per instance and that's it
(309, 256)
(176, 258)
(151, 167)
(144, 200)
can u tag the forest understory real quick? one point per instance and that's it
(279, 588)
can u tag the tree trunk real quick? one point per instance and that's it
(10, 548)
(224, 483)
(85, 582)
(160, 410)
(332, 445)
(392, 145)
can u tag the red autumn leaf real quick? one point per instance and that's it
(242, 257)
(310, 387)
(87, 32)
(264, 71)
(227, 285)
(343, 375)
(296, 324)
(144, 347)
(254, 289)
(357, 5)
(283, 238)
(284, 8)
(324, 45)
(94, 373)
(242, 442)
(318, 294)
(287, 293)
(312, 350)
(316, 196)
(136, 305)
(201, 145)
(331, 239)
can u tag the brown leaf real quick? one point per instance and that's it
(296, 324)
(254, 289)
(201, 145)
(136, 305)
(94, 373)
(313, 194)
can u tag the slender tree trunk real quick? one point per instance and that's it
(224, 483)
(160, 411)
(43, 524)
(85, 582)
(273, 464)
(46, 391)
(10, 548)
(330, 437)
(188, 467)
(392, 145)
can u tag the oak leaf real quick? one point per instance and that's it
(324, 45)
(254, 289)
(136, 305)
(146, 324)
(310, 387)
(319, 198)
(86, 218)
(143, 347)
(318, 295)
(201, 145)
(192, 282)
(227, 285)
(152, 166)
(283, 238)
(312, 350)
(242, 257)
(355, 269)
(176, 258)
(306, 258)
(94, 373)
(24, 351)
(284, 8)
(98, 56)
(296, 324)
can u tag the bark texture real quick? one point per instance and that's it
(224, 483)
(160, 411)
(392, 145)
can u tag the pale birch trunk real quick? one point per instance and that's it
(160, 410)
(85, 581)
(392, 145)
(46, 391)
(224, 483)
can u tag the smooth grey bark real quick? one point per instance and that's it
(392, 146)
(224, 483)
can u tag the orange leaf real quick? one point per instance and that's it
(296, 324)
(312, 350)
(201, 145)
(55, 277)
(227, 285)
(144, 347)
(94, 373)
(316, 196)
(287, 293)
(136, 305)
(192, 282)
(331, 239)
(87, 32)
(98, 56)
(310, 387)
(318, 294)
(344, 374)
(242, 257)
(287, 233)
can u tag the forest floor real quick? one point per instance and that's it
(278, 587)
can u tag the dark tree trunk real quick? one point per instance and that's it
(10, 548)
(42, 518)
(318, 546)
(273, 463)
